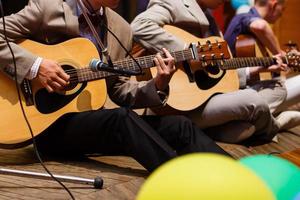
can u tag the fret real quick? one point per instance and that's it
(248, 61)
(245, 62)
(265, 62)
(238, 63)
(182, 53)
(242, 62)
(253, 63)
(126, 65)
(230, 63)
(131, 64)
(270, 61)
(260, 61)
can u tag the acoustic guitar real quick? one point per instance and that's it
(87, 89)
(249, 46)
(211, 78)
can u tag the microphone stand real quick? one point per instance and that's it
(97, 182)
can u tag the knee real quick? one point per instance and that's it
(120, 114)
(181, 120)
(182, 125)
(260, 106)
(256, 105)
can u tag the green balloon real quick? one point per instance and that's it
(282, 176)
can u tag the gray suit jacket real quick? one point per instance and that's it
(186, 14)
(148, 26)
(53, 21)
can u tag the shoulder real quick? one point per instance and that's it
(171, 4)
(45, 6)
(114, 17)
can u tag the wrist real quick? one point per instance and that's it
(160, 84)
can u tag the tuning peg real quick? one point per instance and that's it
(213, 56)
(219, 45)
(203, 58)
(222, 56)
(201, 48)
(208, 42)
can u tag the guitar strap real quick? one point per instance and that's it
(93, 30)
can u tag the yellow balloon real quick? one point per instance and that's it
(204, 176)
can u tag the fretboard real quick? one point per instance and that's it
(86, 74)
(236, 63)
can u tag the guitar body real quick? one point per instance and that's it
(186, 95)
(48, 107)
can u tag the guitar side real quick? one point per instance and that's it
(74, 53)
(186, 95)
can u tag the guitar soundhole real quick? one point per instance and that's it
(47, 103)
(73, 76)
(204, 81)
(212, 69)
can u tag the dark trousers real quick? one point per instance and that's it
(151, 140)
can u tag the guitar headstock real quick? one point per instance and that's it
(212, 50)
(293, 61)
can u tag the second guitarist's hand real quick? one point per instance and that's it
(165, 70)
(52, 76)
(280, 66)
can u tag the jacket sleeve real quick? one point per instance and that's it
(148, 27)
(126, 91)
(19, 26)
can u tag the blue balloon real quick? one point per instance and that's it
(282, 176)
(297, 196)
(237, 3)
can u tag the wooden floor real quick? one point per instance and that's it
(122, 175)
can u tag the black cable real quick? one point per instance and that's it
(22, 108)
(127, 52)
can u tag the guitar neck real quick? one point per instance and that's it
(86, 74)
(236, 63)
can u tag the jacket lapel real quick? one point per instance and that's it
(71, 18)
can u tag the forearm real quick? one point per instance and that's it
(148, 27)
(24, 60)
(265, 35)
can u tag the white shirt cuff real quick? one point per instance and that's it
(248, 73)
(34, 69)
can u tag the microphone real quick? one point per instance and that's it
(98, 65)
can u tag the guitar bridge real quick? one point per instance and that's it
(27, 92)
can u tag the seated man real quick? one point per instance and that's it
(150, 140)
(256, 23)
(231, 117)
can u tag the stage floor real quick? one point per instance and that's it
(122, 176)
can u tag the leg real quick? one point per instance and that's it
(243, 105)
(110, 132)
(293, 93)
(273, 92)
(182, 135)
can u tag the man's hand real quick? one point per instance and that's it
(165, 70)
(280, 66)
(52, 76)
